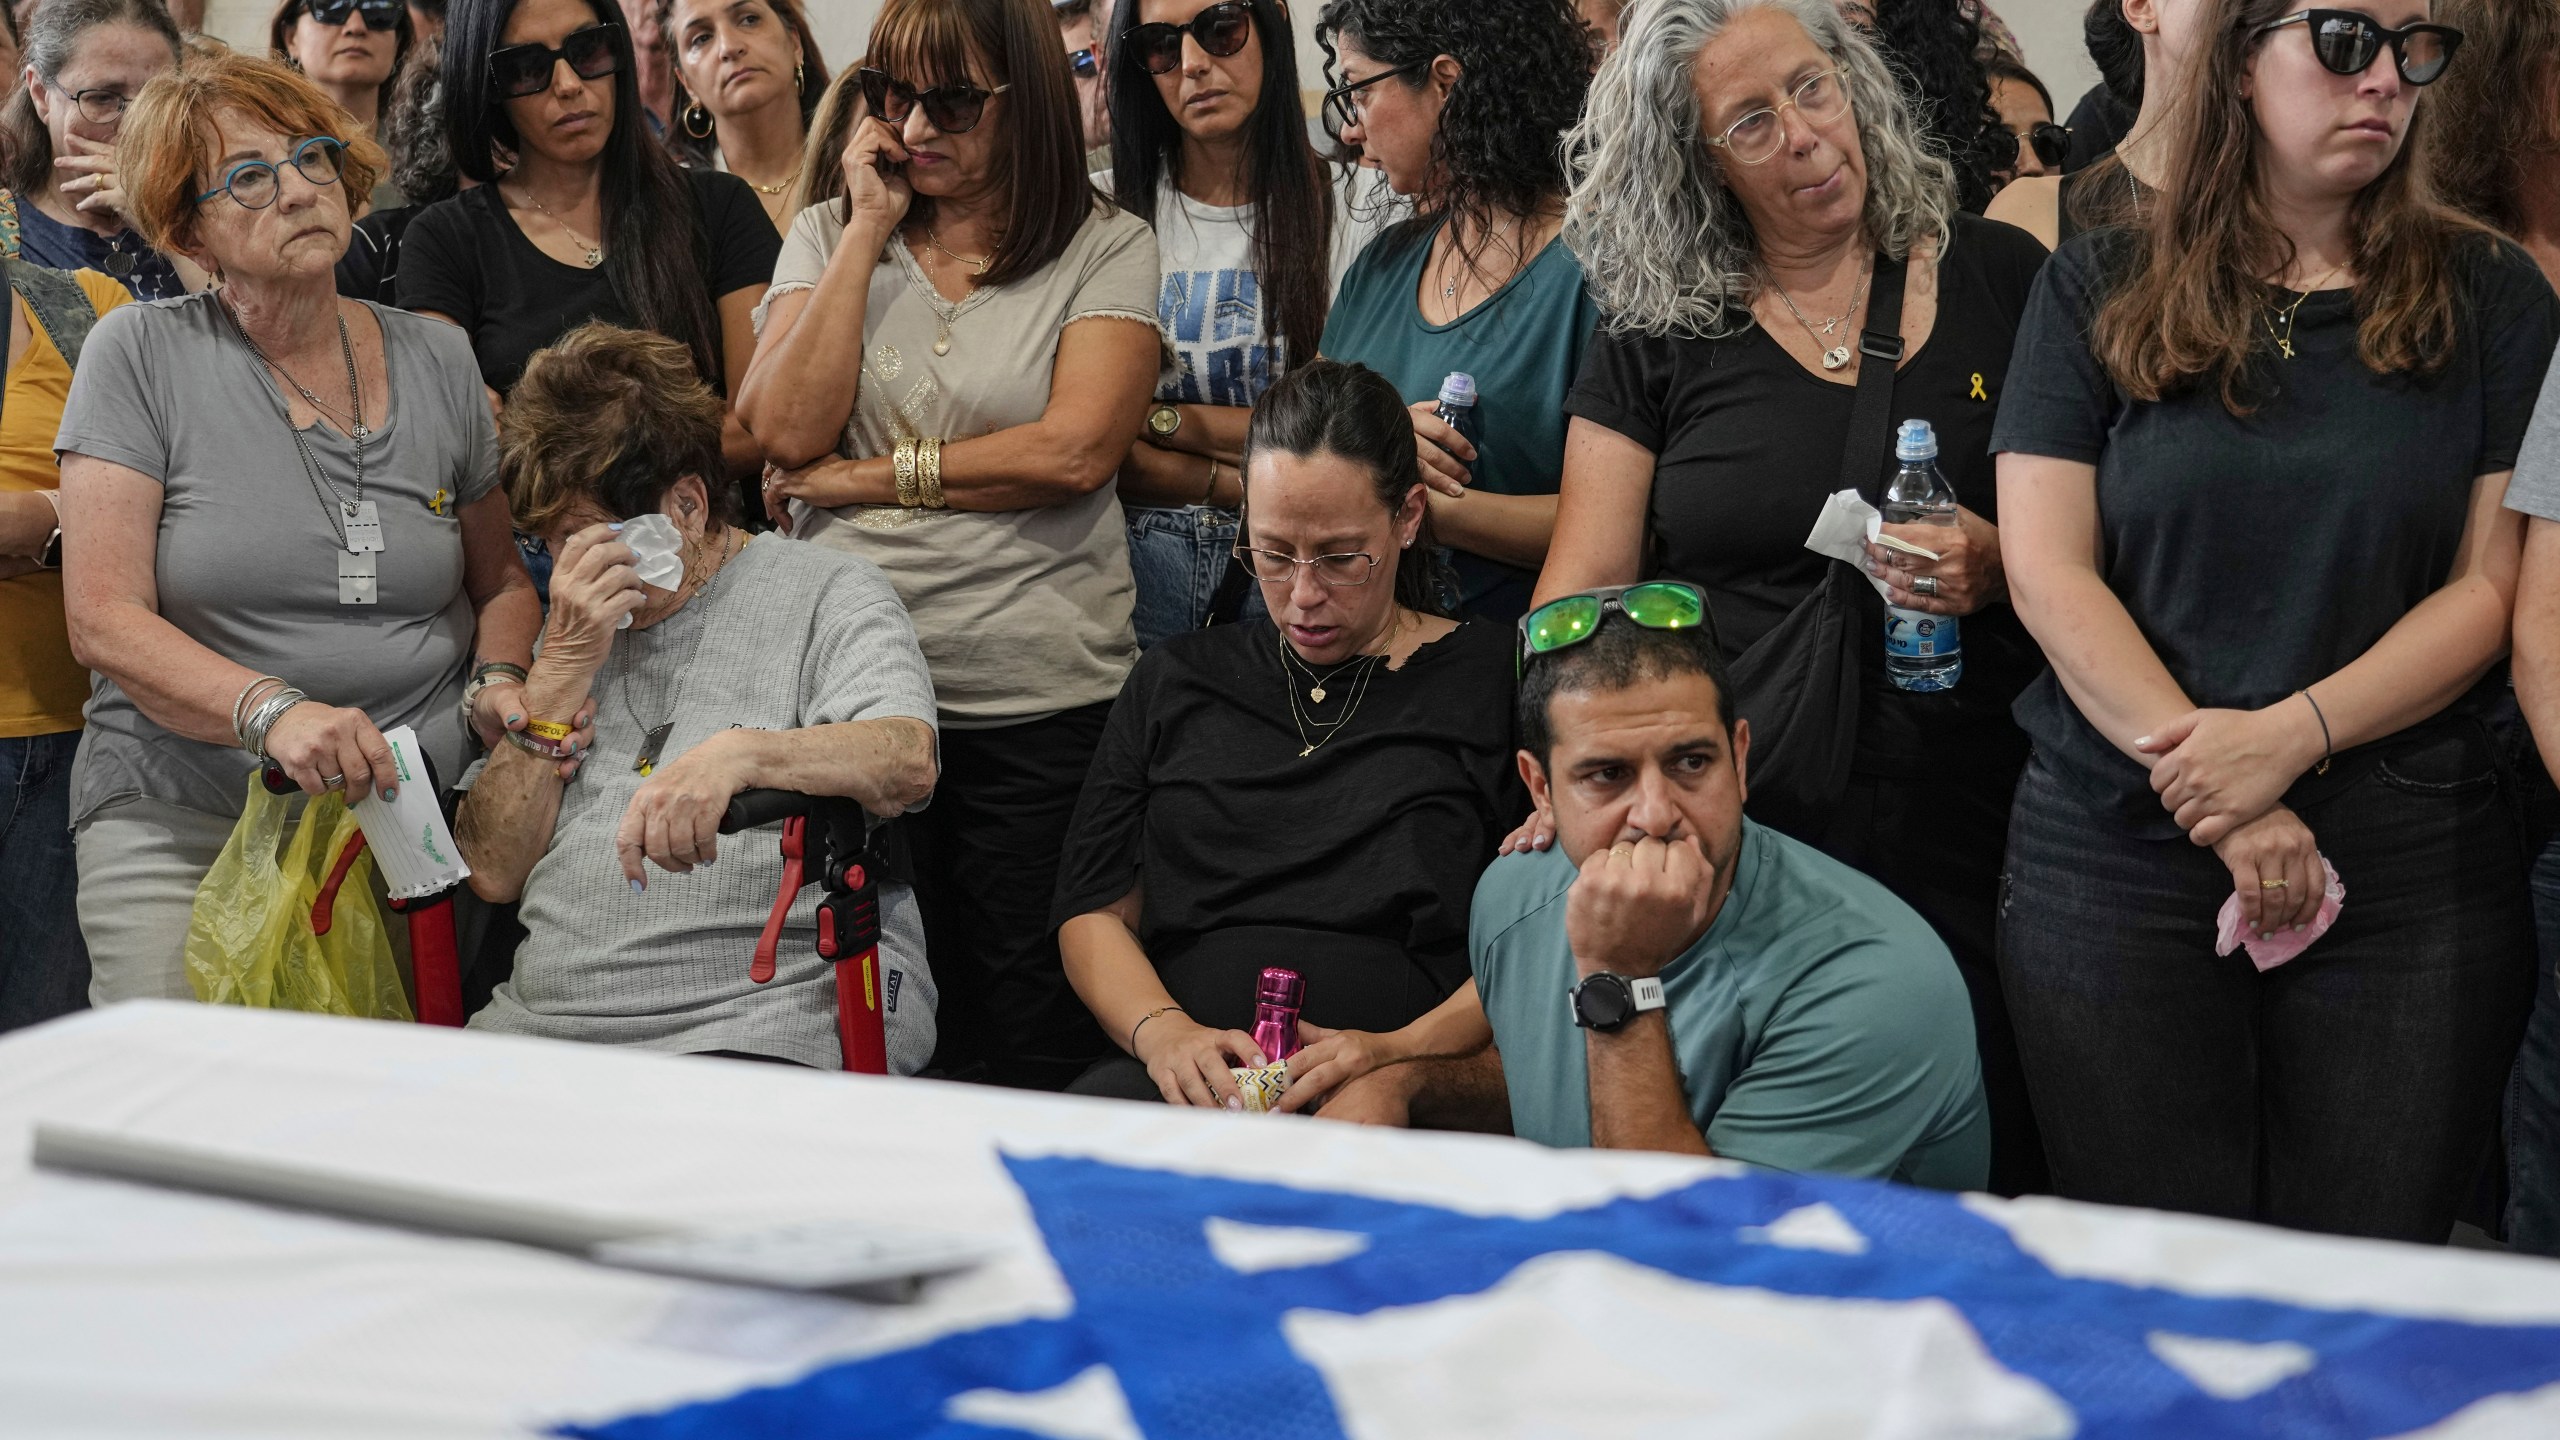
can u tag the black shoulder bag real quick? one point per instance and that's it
(1798, 685)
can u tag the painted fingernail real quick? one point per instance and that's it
(515, 719)
(1234, 1104)
(639, 887)
(615, 527)
(390, 792)
(2298, 929)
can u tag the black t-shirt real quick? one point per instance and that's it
(1199, 792)
(370, 270)
(2263, 554)
(1747, 446)
(467, 258)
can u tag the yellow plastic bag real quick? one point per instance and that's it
(250, 939)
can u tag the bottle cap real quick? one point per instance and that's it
(1915, 441)
(1280, 987)
(1458, 389)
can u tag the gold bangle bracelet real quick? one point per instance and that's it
(902, 465)
(929, 462)
(1210, 492)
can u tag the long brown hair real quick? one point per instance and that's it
(2496, 114)
(1039, 149)
(2189, 310)
(821, 177)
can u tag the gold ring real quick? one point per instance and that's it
(2275, 884)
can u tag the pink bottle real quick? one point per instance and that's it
(1275, 1013)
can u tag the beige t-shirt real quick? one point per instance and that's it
(1020, 613)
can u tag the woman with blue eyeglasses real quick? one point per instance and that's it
(282, 529)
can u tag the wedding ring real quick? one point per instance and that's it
(332, 782)
(1925, 585)
(2275, 884)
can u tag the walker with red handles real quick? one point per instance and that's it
(851, 858)
(435, 964)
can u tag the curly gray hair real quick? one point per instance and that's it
(1664, 245)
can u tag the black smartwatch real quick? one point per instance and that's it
(50, 557)
(1606, 1002)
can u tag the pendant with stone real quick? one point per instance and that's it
(1316, 693)
(1835, 358)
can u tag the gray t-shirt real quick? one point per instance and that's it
(1022, 613)
(787, 636)
(2534, 488)
(248, 559)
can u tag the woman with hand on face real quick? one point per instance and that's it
(954, 359)
(281, 528)
(594, 221)
(86, 60)
(766, 664)
(748, 77)
(2253, 453)
(1316, 791)
(352, 50)
(1459, 102)
(1739, 252)
(1209, 146)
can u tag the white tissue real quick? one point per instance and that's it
(660, 548)
(1844, 529)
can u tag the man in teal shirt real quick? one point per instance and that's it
(1672, 976)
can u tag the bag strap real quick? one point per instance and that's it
(59, 305)
(1871, 411)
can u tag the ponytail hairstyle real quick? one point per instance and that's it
(2115, 47)
(2188, 309)
(657, 258)
(1335, 407)
(53, 36)
(1288, 185)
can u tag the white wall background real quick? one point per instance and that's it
(2048, 29)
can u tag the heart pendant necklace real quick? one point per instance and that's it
(1835, 357)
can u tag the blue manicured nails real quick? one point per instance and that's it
(639, 887)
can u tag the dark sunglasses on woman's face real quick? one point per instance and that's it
(2346, 43)
(1221, 30)
(2051, 143)
(521, 70)
(954, 109)
(378, 14)
(1084, 63)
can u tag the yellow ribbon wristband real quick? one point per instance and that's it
(551, 730)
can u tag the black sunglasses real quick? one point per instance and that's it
(1341, 107)
(2346, 43)
(378, 14)
(1221, 30)
(521, 70)
(2050, 142)
(954, 109)
(1084, 63)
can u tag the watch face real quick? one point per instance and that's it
(1603, 1002)
(1164, 420)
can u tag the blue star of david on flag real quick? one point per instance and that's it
(1196, 1345)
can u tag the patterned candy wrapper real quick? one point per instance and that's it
(1262, 1087)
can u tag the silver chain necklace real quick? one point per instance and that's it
(1834, 357)
(331, 498)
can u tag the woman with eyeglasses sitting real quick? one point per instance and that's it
(1458, 103)
(86, 60)
(352, 50)
(1801, 236)
(270, 553)
(1317, 791)
(954, 357)
(594, 221)
(1253, 228)
(748, 78)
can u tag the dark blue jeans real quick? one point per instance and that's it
(44, 969)
(2354, 1090)
(2533, 1097)
(1178, 557)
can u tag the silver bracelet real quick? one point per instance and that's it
(267, 714)
(240, 707)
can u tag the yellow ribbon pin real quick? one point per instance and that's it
(1978, 392)
(441, 499)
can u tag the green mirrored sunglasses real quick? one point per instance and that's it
(1571, 619)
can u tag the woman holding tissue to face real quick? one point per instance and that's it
(280, 519)
(2254, 453)
(715, 662)
(1713, 405)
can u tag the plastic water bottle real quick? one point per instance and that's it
(1457, 409)
(1275, 1013)
(1922, 652)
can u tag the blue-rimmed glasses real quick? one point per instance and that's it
(254, 184)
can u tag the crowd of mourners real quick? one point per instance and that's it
(1378, 543)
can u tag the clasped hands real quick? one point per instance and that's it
(2222, 775)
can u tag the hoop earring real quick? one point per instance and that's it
(698, 122)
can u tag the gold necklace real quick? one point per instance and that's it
(976, 267)
(2284, 342)
(595, 252)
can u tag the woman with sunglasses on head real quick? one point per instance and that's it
(594, 221)
(282, 530)
(2251, 462)
(2150, 42)
(1749, 278)
(954, 358)
(1252, 230)
(1317, 791)
(353, 51)
(1458, 103)
(748, 77)
(85, 62)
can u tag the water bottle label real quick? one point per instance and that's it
(1916, 635)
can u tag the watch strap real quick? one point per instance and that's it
(1647, 993)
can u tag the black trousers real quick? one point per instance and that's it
(986, 853)
(2354, 1089)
